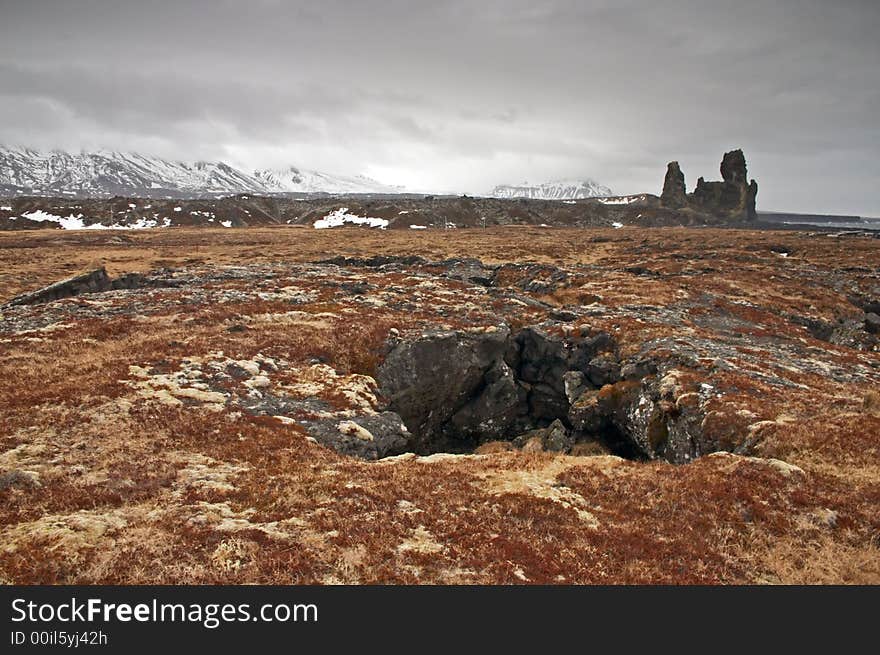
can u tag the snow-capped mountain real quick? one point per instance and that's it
(108, 173)
(558, 190)
(300, 180)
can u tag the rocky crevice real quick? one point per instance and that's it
(537, 389)
(94, 281)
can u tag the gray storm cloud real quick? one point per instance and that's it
(461, 96)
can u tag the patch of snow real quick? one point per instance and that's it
(418, 227)
(226, 223)
(132, 205)
(76, 222)
(625, 200)
(178, 209)
(6, 208)
(402, 212)
(70, 223)
(570, 202)
(339, 217)
(139, 224)
(616, 225)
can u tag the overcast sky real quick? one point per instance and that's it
(463, 95)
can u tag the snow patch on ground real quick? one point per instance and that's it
(339, 217)
(6, 208)
(616, 225)
(418, 227)
(140, 224)
(76, 222)
(618, 201)
(70, 223)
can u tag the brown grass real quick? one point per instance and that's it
(131, 490)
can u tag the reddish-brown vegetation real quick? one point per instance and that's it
(106, 484)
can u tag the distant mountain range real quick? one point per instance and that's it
(108, 173)
(559, 190)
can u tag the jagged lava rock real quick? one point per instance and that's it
(674, 191)
(732, 198)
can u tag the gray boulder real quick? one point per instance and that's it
(429, 380)
(368, 437)
(495, 412)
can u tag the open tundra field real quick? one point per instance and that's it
(501, 405)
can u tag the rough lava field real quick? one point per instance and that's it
(502, 405)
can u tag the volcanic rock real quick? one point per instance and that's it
(733, 198)
(434, 378)
(674, 193)
(96, 280)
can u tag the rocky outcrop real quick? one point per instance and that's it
(96, 280)
(733, 197)
(369, 437)
(655, 417)
(555, 438)
(730, 200)
(541, 390)
(674, 193)
(449, 386)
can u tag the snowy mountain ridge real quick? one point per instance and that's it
(24, 171)
(555, 190)
(300, 180)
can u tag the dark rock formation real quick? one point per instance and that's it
(90, 282)
(733, 167)
(541, 390)
(448, 385)
(656, 417)
(95, 281)
(731, 200)
(555, 438)
(674, 193)
(456, 390)
(368, 437)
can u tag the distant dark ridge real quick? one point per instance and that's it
(787, 217)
